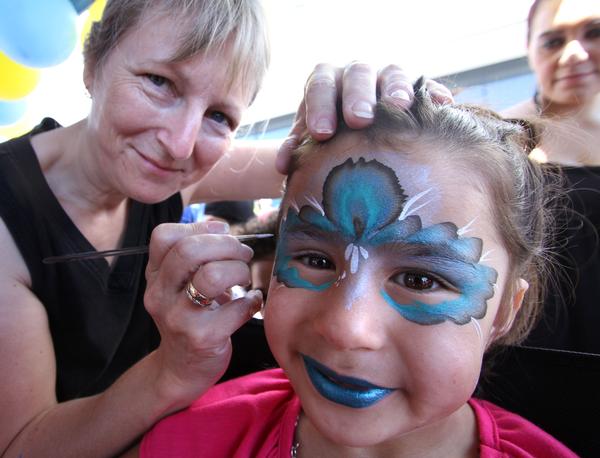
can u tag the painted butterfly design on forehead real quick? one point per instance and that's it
(365, 205)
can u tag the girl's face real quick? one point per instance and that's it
(159, 125)
(564, 50)
(385, 290)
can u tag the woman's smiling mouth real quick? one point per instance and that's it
(348, 391)
(158, 167)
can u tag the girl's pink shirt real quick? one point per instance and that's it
(255, 416)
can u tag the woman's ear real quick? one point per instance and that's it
(88, 76)
(504, 321)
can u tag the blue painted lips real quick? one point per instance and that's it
(347, 391)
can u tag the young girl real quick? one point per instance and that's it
(405, 252)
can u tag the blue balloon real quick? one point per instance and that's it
(37, 33)
(11, 111)
(81, 5)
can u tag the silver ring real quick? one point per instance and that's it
(197, 297)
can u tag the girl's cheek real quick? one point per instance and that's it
(275, 296)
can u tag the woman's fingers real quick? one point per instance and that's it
(439, 93)
(216, 277)
(214, 263)
(395, 86)
(320, 101)
(359, 94)
(165, 236)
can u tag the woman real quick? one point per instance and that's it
(90, 369)
(558, 390)
(564, 53)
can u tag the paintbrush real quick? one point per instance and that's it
(127, 251)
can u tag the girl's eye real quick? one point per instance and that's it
(417, 281)
(157, 80)
(315, 261)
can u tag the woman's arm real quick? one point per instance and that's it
(193, 353)
(245, 172)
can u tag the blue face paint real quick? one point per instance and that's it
(362, 206)
(348, 391)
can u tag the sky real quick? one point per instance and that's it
(429, 37)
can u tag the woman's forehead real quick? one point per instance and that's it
(553, 14)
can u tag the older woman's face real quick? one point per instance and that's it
(158, 125)
(564, 50)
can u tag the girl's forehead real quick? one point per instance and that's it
(436, 189)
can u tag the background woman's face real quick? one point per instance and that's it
(161, 125)
(564, 50)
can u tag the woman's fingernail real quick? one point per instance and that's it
(441, 97)
(363, 110)
(400, 94)
(290, 142)
(217, 227)
(324, 126)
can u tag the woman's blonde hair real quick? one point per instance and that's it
(204, 26)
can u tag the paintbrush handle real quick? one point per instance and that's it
(127, 251)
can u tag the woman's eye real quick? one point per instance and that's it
(593, 33)
(316, 262)
(418, 281)
(157, 80)
(220, 118)
(553, 43)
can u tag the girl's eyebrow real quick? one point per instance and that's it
(306, 231)
(436, 250)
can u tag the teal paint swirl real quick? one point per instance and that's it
(362, 202)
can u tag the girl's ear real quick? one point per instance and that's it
(504, 321)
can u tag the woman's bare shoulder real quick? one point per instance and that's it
(523, 109)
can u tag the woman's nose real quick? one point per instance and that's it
(180, 132)
(351, 321)
(573, 52)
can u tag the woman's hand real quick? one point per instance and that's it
(195, 346)
(358, 86)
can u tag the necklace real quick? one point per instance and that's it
(296, 444)
(294, 451)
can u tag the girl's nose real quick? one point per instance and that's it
(352, 320)
(573, 52)
(180, 132)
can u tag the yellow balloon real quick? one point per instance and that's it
(16, 80)
(17, 129)
(94, 14)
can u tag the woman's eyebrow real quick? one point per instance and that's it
(593, 23)
(551, 33)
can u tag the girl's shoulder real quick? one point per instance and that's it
(503, 433)
(253, 415)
